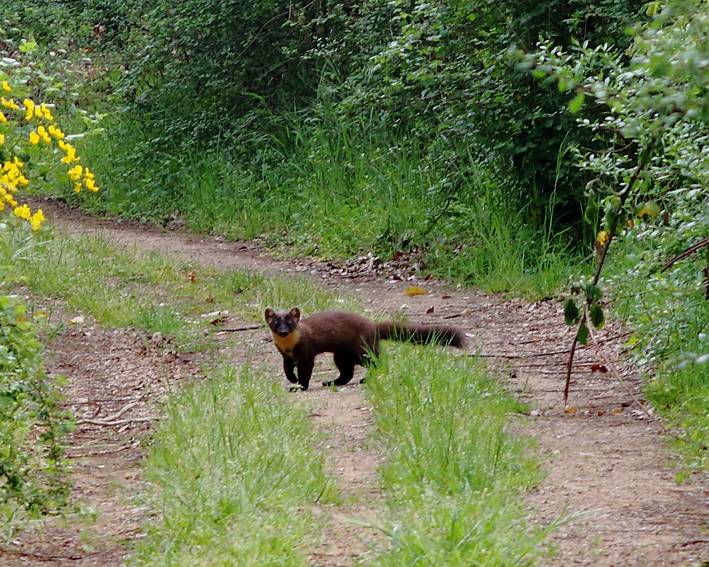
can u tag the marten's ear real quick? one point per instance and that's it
(295, 313)
(269, 315)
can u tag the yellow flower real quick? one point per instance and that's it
(70, 152)
(42, 131)
(75, 173)
(34, 138)
(77, 187)
(6, 86)
(37, 219)
(3, 118)
(9, 103)
(23, 212)
(55, 132)
(2, 139)
(90, 184)
(29, 108)
(46, 112)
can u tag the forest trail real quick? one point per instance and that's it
(608, 469)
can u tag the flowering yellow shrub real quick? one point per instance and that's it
(15, 120)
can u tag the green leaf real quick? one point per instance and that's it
(571, 312)
(28, 46)
(576, 103)
(538, 74)
(582, 334)
(593, 292)
(597, 317)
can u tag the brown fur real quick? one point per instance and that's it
(352, 339)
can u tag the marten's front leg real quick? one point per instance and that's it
(305, 371)
(288, 368)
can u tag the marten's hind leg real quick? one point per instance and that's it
(345, 363)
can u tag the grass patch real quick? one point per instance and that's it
(122, 288)
(454, 477)
(333, 192)
(233, 469)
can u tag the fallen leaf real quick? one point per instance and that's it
(414, 290)
(192, 276)
(595, 367)
(430, 309)
(617, 411)
(570, 410)
(78, 320)
(445, 297)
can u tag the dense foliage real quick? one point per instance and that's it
(32, 423)
(495, 141)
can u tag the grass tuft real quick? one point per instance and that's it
(453, 475)
(233, 470)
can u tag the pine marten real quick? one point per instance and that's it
(351, 338)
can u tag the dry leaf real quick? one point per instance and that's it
(570, 410)
(78, 320)
(617, 411)
(595, 367)
(414, 290)
(192, 276)
(430, 309)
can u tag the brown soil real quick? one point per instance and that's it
(609, 472)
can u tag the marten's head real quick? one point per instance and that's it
(282, 323)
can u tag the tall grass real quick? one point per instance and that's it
(453, 475)
(232, 470)
(334, 191)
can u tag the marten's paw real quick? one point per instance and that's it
(328, 383)
(297, 388)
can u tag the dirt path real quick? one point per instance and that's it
(606, 459)
(115, 378)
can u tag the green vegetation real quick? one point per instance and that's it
(32, 470)
(453, 473)
(232, 470)
(670, 341)
(151, 292)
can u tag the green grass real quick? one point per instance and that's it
(121, 288)
(454, 476)
(668, 315)
(233, 470)
(334, 192)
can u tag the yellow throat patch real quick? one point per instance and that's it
(286, 344)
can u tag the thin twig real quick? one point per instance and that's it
(109, 418)
(597, 275)
(688, 252)
(238, 329)
(117, 422)
(104, 452)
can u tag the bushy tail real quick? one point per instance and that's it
(421, 334)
